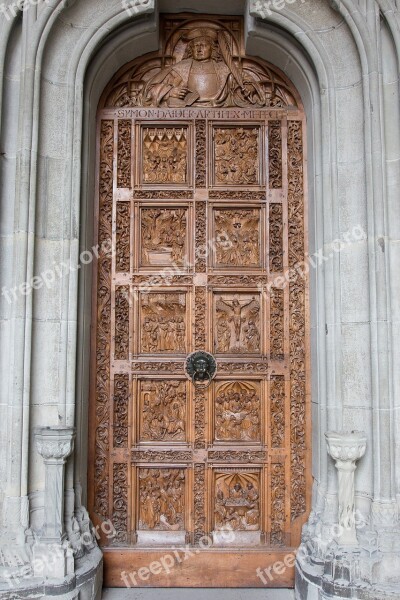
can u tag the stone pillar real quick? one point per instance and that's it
(346, 449)
(52, 552)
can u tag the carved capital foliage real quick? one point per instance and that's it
(55, 443)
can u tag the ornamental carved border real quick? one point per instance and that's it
(103, 334)
(297, 320)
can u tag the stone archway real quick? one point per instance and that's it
(178, 170)
(59, 61)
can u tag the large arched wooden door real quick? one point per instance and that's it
(201, 190)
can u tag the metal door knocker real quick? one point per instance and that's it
(201, 368)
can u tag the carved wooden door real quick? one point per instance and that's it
(201, 188)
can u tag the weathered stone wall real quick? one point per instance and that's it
(343, 56)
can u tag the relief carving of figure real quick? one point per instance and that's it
(163, 323)
(161, 496)
(237, 412)
(238, 324)
(207, 74)
(200, 64)
(237, 502)
(163, 411)
(237, 237)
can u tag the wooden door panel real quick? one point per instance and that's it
(202, 235)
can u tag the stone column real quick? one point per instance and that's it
(346, 449)
(53, 553)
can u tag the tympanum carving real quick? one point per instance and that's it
(201, 64)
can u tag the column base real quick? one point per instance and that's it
(86, 582)
(313, 584)
(343, 574)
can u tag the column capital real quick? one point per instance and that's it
(55, 443)
(346, 447)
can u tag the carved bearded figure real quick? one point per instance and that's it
(202, 77)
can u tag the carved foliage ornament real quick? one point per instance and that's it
(103, 333)
(202, 63)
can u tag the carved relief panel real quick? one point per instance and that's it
(236, 154)
(163, 411)
(237, 323)
(163, 236)
(237, 500)
(201, 185)
(163, 323)
(238, 416)
(237, 236)
(164, 156)
(161, 499)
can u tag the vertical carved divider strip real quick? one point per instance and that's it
(278, 492)
(120, 502)
(121, 403)
(124, 154)
(201, 239)
(200, 312)
(200, 342)
(201, 153)
(275, 237)
(122, 323)
(297, 322)
(277, 335)
(103, 334)
(277, 400)
(199, 502)
(275, 154)
(123, 234)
